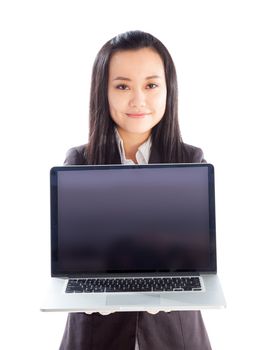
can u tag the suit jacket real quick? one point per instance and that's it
(178, 330)
(77, 155)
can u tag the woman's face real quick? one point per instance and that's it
(136, 90)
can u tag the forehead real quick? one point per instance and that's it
(136, 63)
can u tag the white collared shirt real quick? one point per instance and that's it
(143, 152)
(142, 157)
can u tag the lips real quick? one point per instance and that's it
(137, 115)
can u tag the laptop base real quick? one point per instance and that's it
(59, 301)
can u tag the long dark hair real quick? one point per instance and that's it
(166, 136)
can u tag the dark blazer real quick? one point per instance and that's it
(177, 330)
(77, 155)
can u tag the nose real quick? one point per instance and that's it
(137, 99)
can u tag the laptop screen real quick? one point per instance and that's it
(132, 219)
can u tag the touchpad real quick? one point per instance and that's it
(136, 299)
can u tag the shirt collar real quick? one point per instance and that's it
(142, 154)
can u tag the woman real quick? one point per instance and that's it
(134, 119)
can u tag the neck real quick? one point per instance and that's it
(132, 142)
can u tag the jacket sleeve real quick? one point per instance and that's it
(76, 156)
(193, 154)
(198, 156)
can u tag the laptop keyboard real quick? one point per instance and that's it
(106, 285)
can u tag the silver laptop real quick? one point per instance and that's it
(133, 238)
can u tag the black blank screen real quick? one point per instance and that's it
(124, 220)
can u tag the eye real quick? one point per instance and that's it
(152, 86)
(122, 87)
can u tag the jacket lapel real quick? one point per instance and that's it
(116, 157)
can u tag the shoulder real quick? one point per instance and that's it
(193, 154)
(76, 156)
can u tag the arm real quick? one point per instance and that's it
(198, 156)
(76, 156)
(193, 154)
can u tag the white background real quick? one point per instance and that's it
(47, 52)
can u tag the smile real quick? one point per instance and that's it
(137, 115)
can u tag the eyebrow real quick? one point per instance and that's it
(150, 77)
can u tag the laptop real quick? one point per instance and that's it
(133, 238)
